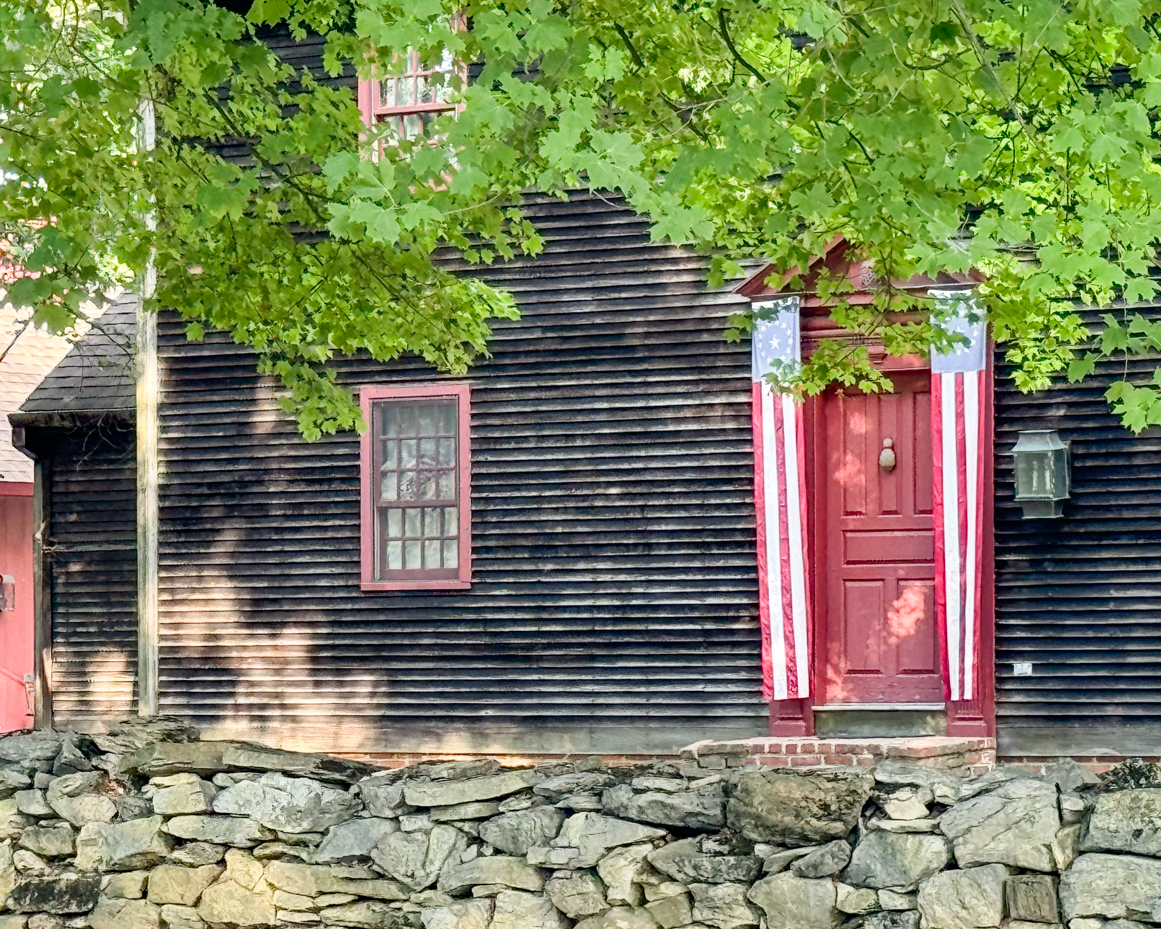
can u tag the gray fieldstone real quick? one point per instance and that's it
(798, 808)
(289, 901)
(1014, 824)
(907, 801)
(314, 880)
(689, 809)
(416, 858)
(856, 900)
(450, 793)
(684, 861)
(55, 893)
(580, 782)
(365, 914)
(577, 894)
(113, 913)
(791, 902)
(673, 912)
(7, 871)
(11, 921)
(517, 910)
(127, 735)
(723, 906)
(1125, 821)
(133, 807)
(899, 920)
(24, 860)
(30, 747)
(899, 861)
(624, 870)
(241, 896)
(593, 834)
(139, 843)
(478, 809)
(220, 830)
(969, 899)
(13, 781)
(783, 858)
(382, 796)
(945, 787)
(894, 900)
(183, 794)
(620, 917)
(467, 914)
(50, 841)
(517, 832)
(180, 917)
(356, 838)
(12, 821)
(182, 886)
(127, 885)
(32, 803)
(74, 797)
(823, 861)
(1110, 886)
(1032, 897)
(497, 869)
(196, 854)
(1068, 775)
(288, 804)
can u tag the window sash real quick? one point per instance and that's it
(416, 496)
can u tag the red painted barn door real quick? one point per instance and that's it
(876, 544)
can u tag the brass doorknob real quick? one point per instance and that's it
(887, 455)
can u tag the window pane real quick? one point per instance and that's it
(394, 523)
(409, 453)
(427, 485)
(406, 92)
(447, 452)
(451, 521)
(388, 489)
(446, 485)
(431, 552)
(387, 92)
(427, 453)
(406, 418)
(390, 418)
(408, 485)
(451, 554)
(412, 524)
(394, 556)
(390, 454)
(447, 419)
(412, 555)
(431, 523)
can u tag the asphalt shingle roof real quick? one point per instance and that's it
(97, 375)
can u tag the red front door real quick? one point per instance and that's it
(876, 545)
(16, 623)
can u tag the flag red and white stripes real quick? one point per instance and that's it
(957, 392)
(780, 501)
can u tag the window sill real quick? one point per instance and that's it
(448, 584)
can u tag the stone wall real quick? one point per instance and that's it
(146, 827)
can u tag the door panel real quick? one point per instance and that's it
(877, 545)
(16, 624)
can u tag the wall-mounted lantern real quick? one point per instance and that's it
(1043, 473)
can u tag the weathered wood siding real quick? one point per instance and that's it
(614, 604)
(94, 577)
(1080, 597)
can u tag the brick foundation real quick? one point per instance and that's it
(959, 755)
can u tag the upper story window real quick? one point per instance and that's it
(416, 487)
(408, 103)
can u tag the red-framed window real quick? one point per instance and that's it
(410, 101)
(416, 487)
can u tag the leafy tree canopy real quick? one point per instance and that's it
(1016, 138)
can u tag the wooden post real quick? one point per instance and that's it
(148, 467)
(42, 594)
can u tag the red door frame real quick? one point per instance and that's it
(965, 718)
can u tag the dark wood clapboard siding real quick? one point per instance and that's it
(1080, 596)
(614, 603)
(94, 577)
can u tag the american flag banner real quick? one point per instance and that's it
(957, 391)
(780, 501)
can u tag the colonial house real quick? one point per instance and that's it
(612, 536)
